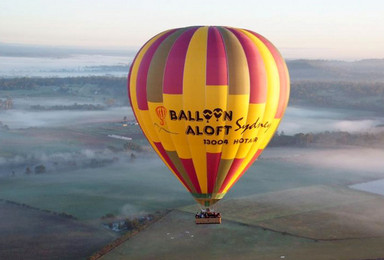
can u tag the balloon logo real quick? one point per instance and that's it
(161, 113)
(217, 113)
(219, 93)
(207, 114)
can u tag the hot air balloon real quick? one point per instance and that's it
(208, 99)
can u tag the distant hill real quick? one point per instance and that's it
(366, 95)
(332, 70)
(331, 83)
(300, 69)
(29, 50)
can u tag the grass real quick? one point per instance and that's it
(67, 139)
(316, 222)
(126, 189)
(316, 212)
(278, 208)
(146, 185)
(28, 233)
(177, 237)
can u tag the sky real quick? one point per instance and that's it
(327, 29)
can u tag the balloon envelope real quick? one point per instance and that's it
(208, 99)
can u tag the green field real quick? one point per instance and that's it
(33, 234)
(69, 139)
(145, 185)
(315, 212)
(315, 222)
(292, 203)
(127, 189)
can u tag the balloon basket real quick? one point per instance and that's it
(207, 217)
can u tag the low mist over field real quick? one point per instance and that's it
(45, 61)
(352, 159)
(28, 118)
(314, 119)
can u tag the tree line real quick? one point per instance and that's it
(30, 83)
(328, 138)
(359, 95)
(87, 107)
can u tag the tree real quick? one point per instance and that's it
(28, 170)
(40, 169)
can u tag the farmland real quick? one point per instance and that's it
(62, 174)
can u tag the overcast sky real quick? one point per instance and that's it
(328, 29)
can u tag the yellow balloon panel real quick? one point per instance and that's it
(209, 100)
